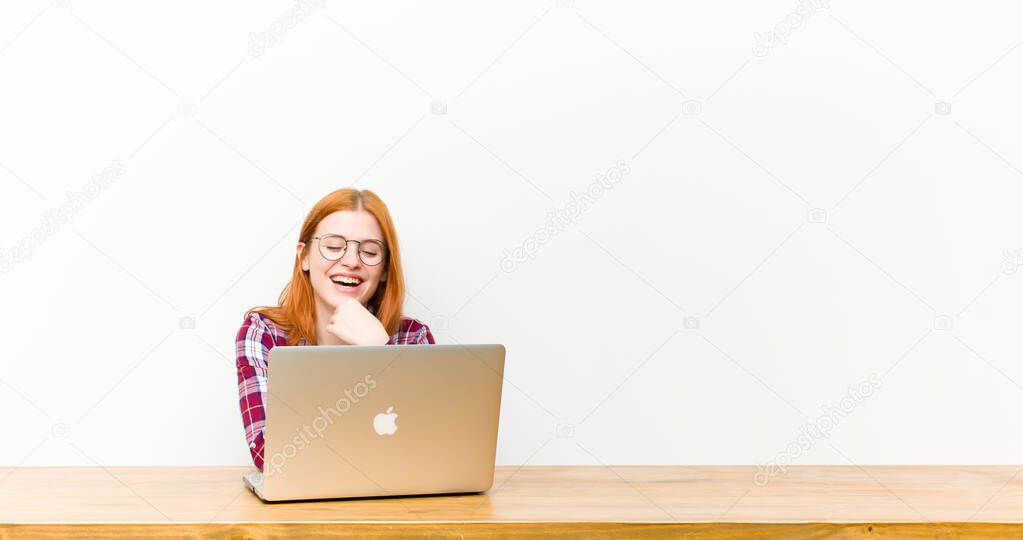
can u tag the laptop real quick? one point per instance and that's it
(377, 421)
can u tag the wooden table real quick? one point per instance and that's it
(670, 502)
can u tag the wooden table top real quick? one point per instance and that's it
(708, 501)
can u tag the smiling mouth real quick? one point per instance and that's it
(347, 282)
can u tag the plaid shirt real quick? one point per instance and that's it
(255, 338)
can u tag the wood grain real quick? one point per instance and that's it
(707, 502)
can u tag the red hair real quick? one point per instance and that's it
(296, 312)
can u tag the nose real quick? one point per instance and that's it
(351, 257)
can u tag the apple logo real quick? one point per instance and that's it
(384, 423)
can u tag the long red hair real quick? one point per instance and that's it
(296, 309)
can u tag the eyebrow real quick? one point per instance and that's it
(346, 237)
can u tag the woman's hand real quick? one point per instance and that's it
(353, 324)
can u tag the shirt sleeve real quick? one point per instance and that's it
(412, 332)
(423, 335)
(252, 344)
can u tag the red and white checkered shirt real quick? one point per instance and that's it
(255, 338)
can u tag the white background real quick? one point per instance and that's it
(734, 157)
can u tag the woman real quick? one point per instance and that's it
(336, 296)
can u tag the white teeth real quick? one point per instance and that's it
(346, 279)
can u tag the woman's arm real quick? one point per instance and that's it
(253, 342)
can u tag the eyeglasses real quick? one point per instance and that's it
(334, 246)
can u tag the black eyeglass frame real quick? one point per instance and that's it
(358, 247)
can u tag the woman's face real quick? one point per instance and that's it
(326, 275)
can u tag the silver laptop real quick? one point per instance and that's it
(371, 421)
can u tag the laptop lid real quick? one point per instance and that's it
(364, 421)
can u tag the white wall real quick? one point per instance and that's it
(697, 312)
